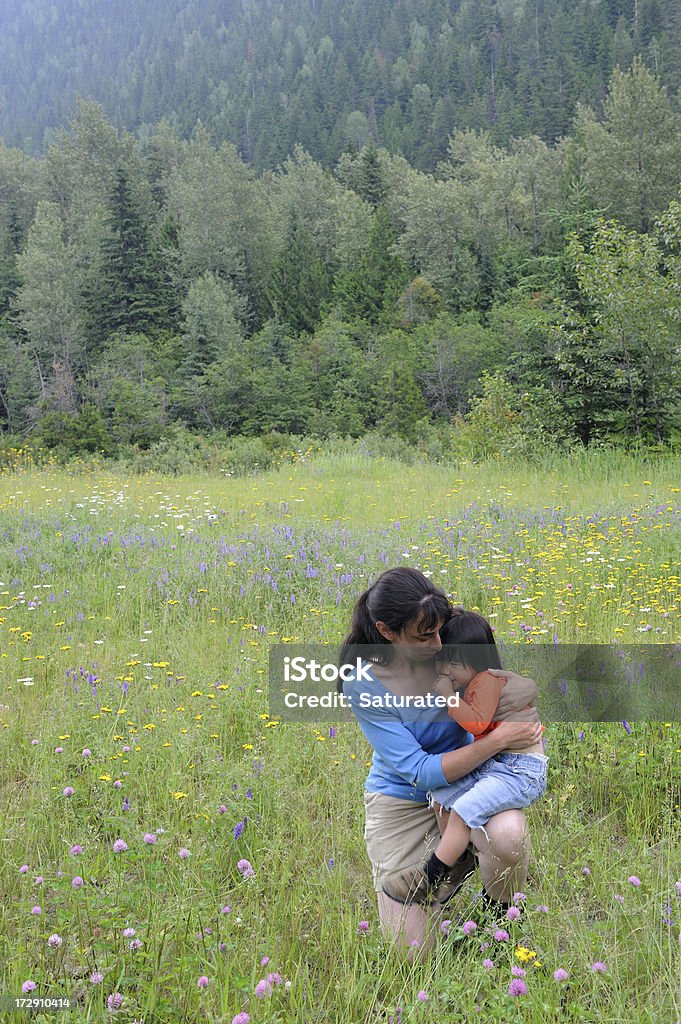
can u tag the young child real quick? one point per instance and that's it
(506, 781)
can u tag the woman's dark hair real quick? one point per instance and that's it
(399, 596)
(468, 640)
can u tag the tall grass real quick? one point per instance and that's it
(137, 615)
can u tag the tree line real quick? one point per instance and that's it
(145, 283)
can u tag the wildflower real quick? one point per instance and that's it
(627, 727)
(69, 791)
(59, 750)
(76, 850)
(444, 927)
(28, 986)
(120, 846)
(274, 978)
(203, 981)
(422, 996)
(39, 880)
(23, 870)
(677, 887)
(517, 987)
(541, 909)
(37, 910)
(470, 927)
(241, 1018)
(586, 872)
(184, 853)
(264, 962)
(54, 941)
(635, 881)
(363, 927)
(518, 972)
(128, 933)
(87, 752)
(117, 784)
(244, 866)
(77, 882)
(96, 977)
(238, 829)
(500, 935)
(560, 975)
(518, 897)
(114, 1002)
(512, 913)
(599, 967)
(489, 964)
(620, 899)
(262, 989)
(135, 945)
(226, 909)
(149, 838)
(34, 743)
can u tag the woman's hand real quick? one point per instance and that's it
(517, 736)
(519, 695)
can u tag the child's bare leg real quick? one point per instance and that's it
(454, 841)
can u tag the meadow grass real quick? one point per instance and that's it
(136, 618)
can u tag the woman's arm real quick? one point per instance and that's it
(518, 697)
(507, 736)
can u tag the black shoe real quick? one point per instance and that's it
(455, 877)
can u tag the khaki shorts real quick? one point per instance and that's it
(399, 834)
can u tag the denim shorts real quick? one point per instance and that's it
(500, 784)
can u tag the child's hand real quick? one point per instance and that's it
(443, 686)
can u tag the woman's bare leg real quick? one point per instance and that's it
(413, 929)
(503, 848)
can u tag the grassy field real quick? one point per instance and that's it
(139, 765)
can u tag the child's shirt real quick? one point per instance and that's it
(478, 703)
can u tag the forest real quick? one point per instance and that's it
(521, 293)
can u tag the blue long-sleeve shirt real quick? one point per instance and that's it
(408, 749)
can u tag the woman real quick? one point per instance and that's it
(418, 747)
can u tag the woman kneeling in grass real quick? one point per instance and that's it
(419, 748)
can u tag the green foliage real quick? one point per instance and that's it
(75, 433)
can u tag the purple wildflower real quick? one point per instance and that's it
(120, 846)
(245, 867)
(135, 945)
(241, 1018)
(37, 910)
(28, 986)
(677, 887)
(264, 962)
(470, 927)
(238, 829)
(627, 727)
(489, 964)
(69, 791)
(87, 752)
(114, 1002)
(128, 933)
(184, 853)
(517, 987)
(422, 995)
(599, 967)
(76, 850)
(23, 870)
(635, 880)
(226, 909)
(500, 935)
(512, 913)
(560, 975)
(96, 978)
(77, 882)
(262, 989)
(149, 838)
(518, 972)
(203, 981)
(363, 927)
(54, 941)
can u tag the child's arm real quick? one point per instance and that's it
(475, 712)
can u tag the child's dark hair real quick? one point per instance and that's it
(467, 639)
